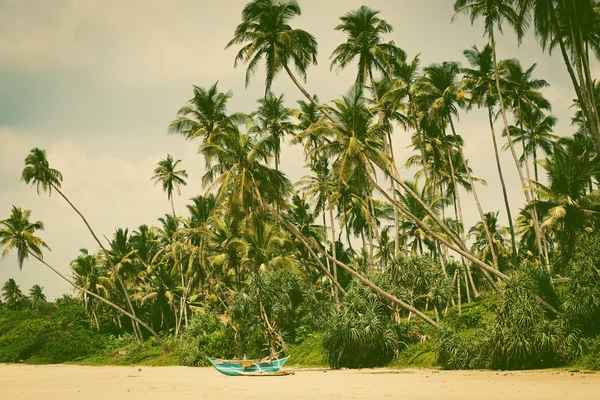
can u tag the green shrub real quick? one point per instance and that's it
(362, 334)
(206, 337)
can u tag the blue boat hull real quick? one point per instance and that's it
(236, 368)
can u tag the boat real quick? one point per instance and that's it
(250, 367)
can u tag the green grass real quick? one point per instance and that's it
(308, 354)
(417, 355)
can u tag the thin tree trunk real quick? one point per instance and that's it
(351, 271)
(105, 301)
(308, 96)
(477, 202)
(136, 328)
(504, 192)
(526, 190)
(327, 259)
(333, 249)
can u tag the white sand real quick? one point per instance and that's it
(174, 383)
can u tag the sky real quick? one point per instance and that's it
(96, 83)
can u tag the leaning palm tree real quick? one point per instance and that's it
(170, 178)
(265, 34)
(364, 30)
(38, 172)
(36, 295)
(11, 293)
(18, 233)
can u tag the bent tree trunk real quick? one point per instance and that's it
(351, 271)
(105, 301)
(136, 328)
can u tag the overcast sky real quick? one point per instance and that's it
(96, 83)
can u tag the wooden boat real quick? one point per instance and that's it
(250, 367)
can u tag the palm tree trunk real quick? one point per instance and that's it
(351, 271)
(136, 328)
(526, 190)
(333, 249)
(305, 93)
(477, 202)
(105, 301)
(327, 259)
(594, 130)
(504, 192)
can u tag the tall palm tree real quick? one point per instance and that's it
(573, 26)
(364, 30)
(11, 293)
(18, 233)
(265, 33)
(170, 178)
(357, 148)
(38, 172)
(494, 12)
(479, 81)
(36, 295)
(273, 120)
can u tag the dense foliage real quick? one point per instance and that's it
(258, 263)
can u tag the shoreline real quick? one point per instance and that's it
(66, 382)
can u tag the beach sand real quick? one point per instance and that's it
(66, 382)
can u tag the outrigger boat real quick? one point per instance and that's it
(250, 367)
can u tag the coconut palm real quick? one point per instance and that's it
(38, 172)
(364, 30)
(11, 293)
(18, 233)
(535, 134)
(567, 207)
(573, 27)
(204, 114)
(170, 178)
(273, 120)
(481, 245)
(494, 13)
(36, 295)
(240, 168)
(90, 273)
(265, 33)
(479, 81)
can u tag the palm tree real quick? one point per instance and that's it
(479, 82)
(564, 201)
(36, 295)
(89, 273)
(364, 29)
(204, 114)
(273, 120)
(38, 172)
(494, 12)
(265, 33)
(482, 246)
(171, 179)
(573, 26)
(357, 148)
(535, 133)
(319, 189)
(240, 168)
(11, 293)
(18, 233)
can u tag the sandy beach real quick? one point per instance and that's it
(66, 382)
